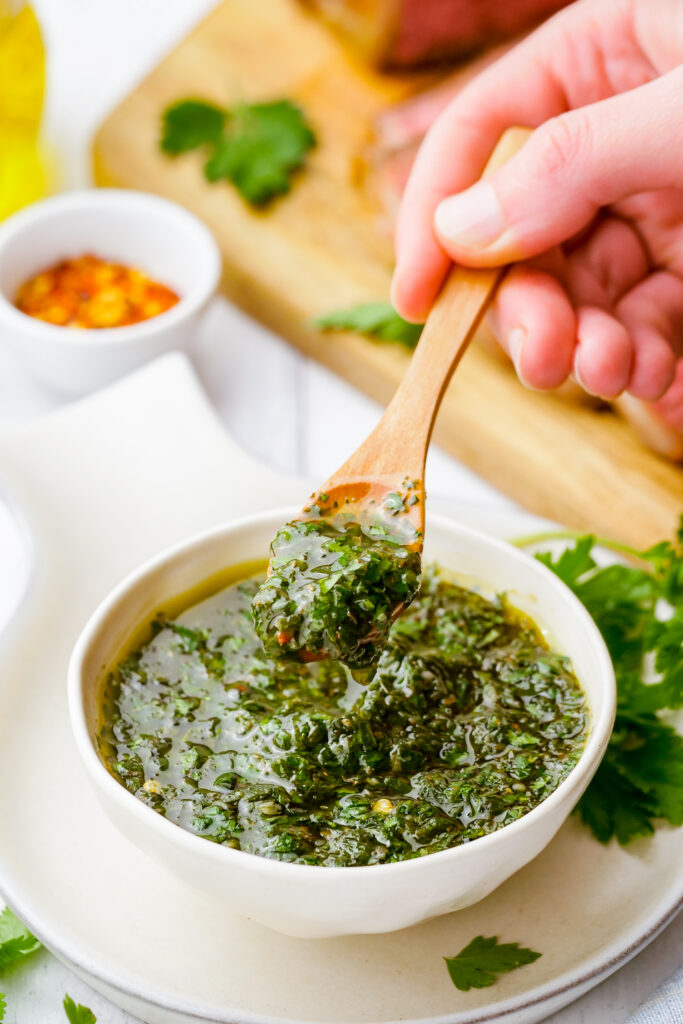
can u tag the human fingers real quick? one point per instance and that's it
(520, 88)
(535, 323)
(603, 356)
(573, 165)
(605, 263)
(652, 311)
(610, 269)
(598, 270)
(407, 122)
(670, 405)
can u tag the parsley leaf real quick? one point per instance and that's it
(78, 1014)
(16, 941)
(189, 124)
(191, 639)
(256, 146)
(263, 145)
(641, 775)
(3, 1006)
(375, 320)
(572, 563)
(477, 965)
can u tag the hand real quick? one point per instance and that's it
(590, 210)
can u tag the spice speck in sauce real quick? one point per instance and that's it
(87, 291)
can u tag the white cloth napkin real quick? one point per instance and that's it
(665, 1005)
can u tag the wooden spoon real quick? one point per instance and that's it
(391, 461)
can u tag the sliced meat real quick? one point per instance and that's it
(408, 33)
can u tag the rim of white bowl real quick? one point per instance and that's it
(598, 735)
(101, 198)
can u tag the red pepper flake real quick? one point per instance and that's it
(307, 656)
(87, 291)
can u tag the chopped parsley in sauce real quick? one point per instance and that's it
(334, 590)
(468, 722)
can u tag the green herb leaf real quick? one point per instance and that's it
(191, 639)
(256, 146)
(3, 1006)
(667, 639)
(261, 148)
(16, 941)
(641, 775)
(78, 1014)
(572, 563)
(477, 965)
(190, 124)
(346, 612)
(375, 320)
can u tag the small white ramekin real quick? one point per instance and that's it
(159, 237)
(313, 901)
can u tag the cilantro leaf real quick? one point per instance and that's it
(13, 950)
(622, 601)
(261, 148)
(190, 124)
(477, 965)
(16, 941)
(3, 1006)
(667, 639)
(191, 639)
(641, 775)
(375, 320)
(667, 565)
(256, 146)
(611, 806)
(572, 563)
(78, 1014)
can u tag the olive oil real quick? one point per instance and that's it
(468, 722)
(23, 167)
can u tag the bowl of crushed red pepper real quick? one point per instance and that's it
(94, 284)
(91, 292)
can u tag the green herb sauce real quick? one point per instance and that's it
(334, 590)
(468, 722)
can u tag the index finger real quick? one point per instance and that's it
(521, 88)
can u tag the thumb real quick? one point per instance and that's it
(570, 167)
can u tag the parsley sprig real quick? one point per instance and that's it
(639, 611)
(16, 941)
(373, 319)
(479, 963)
(78, 1014)
(256, 146)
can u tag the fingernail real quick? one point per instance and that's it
(579, 381)
(516, 339)
(471, 219)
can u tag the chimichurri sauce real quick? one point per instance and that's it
(468, 722)
(333, 592)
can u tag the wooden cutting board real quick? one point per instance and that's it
(324, 246)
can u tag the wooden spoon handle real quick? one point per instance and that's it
(399, 442)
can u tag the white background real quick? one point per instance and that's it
(311, 421)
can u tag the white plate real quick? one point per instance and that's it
(103, 485)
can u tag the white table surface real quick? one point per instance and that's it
(97, 50)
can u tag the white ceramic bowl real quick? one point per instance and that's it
(140, 230)
(313, 901)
